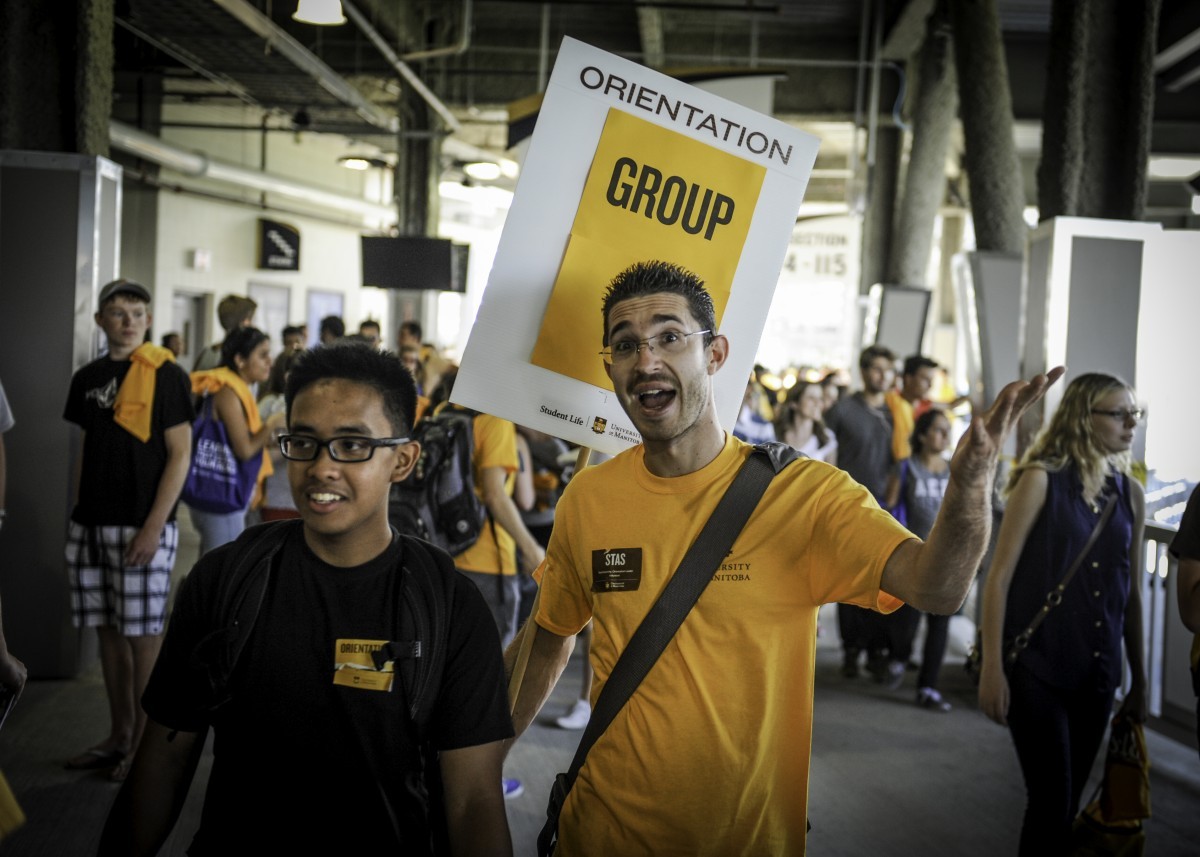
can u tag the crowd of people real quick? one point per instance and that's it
(893, 438)
(326, 648)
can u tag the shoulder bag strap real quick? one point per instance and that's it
(682, 591)
(1054, 596)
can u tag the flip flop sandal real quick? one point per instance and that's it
(94, 759)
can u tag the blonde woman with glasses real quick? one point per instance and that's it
(1056, 695)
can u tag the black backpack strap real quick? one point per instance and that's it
(240, 598)
(682, 592)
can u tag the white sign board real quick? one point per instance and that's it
(628, 165)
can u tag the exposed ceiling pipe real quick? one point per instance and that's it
(459, 47)
(400, 66)
(151, 148)
(310, 63)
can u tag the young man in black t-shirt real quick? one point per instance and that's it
(329, 739)
(134, 408)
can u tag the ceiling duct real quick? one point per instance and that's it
(197, 165)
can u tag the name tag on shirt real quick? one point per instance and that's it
(354, 667)
(616, 570)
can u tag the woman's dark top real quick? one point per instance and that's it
(1078, 645)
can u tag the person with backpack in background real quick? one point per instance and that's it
(353, 678)
(245, 360)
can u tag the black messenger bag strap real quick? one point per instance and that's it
(1054, 596)
(672, 607)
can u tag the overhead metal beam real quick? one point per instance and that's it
(309, 63)
(399, 65)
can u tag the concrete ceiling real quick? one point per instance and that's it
(497, 51)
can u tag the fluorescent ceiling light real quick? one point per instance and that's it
(361, 162)
(1173, 168)
(325, 13)
(484, 171)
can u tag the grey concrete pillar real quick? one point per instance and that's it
(417, 169)
(1118, 107)
(1061, 163)
(993, 168)
(1098, 109)
(934, 112)
(56, 76)
(881, 208)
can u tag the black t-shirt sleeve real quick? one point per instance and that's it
(177, 694)
(472, 707)
(1186, 544)
(173, 396)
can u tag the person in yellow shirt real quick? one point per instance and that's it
(712, 749)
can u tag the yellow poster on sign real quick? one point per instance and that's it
(651, 193)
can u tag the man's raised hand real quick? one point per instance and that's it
(980, 446)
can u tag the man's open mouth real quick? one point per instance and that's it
(656, 399)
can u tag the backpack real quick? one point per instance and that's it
(437, 501)
(419, 655)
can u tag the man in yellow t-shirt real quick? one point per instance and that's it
(491, 563)
(710, 754)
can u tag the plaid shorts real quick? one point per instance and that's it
(104, 591)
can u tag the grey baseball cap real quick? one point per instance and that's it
(124, 287)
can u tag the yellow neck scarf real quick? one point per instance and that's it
(134, 405)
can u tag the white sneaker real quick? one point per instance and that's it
(577, 717)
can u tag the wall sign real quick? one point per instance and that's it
(278, 246)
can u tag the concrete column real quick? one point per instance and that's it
(56, 76)
(417, 169)
(1098, 109)
(993, 168)
(934, 111)
(1062, 111)
(881, 208)
(1118, 107)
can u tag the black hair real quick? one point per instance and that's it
(333, 324)
(872, 353)
(413, 327)
(921, 426)
(917, 362)
(291, 330)
(240, 342)
(382, 371)
(655, 277)
(370, 322)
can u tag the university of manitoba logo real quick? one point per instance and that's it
(599, 424)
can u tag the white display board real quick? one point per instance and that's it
(729, 184)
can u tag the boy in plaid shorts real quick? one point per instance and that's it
(134, 408)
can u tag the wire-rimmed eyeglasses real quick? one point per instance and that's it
(667, 342)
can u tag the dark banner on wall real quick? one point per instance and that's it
(278, 246)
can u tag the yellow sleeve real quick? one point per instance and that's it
(852, 540)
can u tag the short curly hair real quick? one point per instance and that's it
(362, 364)
(656, 277)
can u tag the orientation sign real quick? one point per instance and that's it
(628, 165)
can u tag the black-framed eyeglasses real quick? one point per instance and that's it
(348, 448)
(1122, 414)
(667, 342)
